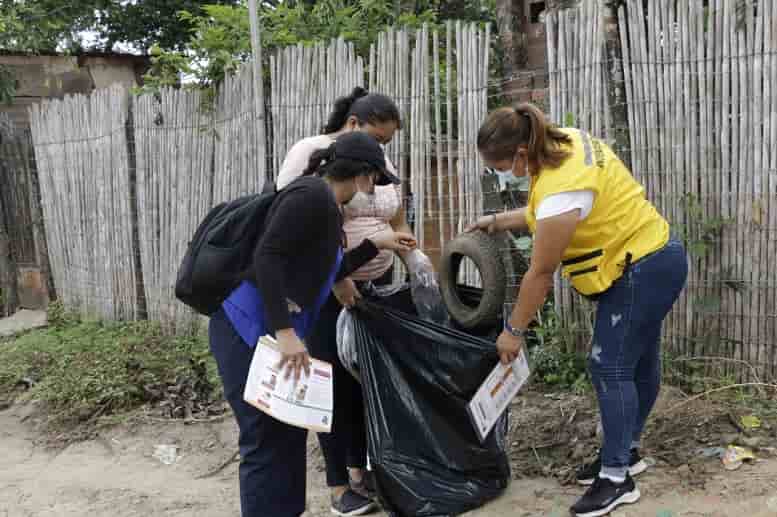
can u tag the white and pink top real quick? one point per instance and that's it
(360, 222)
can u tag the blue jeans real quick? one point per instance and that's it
(273, 454)
(625, 361)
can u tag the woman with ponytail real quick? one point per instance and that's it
(365, 216)
(297, 260)
(590, 216)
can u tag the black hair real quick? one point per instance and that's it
(324, 163)
(372, 108)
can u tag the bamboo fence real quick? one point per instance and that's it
(82, 156)
(187, 152)
(702, 118)
(701, 124)
(238, 168)
(174, 146)
(435, 153)
(305, 81)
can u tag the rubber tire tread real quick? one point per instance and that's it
(485, 251)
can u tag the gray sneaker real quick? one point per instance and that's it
(351, 503)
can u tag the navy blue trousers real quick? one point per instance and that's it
(273, 454)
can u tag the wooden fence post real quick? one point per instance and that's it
(256, 48)
(38, 224)
(8, 287)
(616, 86)
(140, 292)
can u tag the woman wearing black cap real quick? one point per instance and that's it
(296, 262)
(365, 216)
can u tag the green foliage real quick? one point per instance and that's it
(148, 23)
(554, 367)
(60, 317)
(553, 359)
(220, 37)
(699, 234)
(7, 85)
(41, 25)
(46, 25)
(82, 369)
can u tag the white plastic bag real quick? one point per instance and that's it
(425, 290)
(346, 343)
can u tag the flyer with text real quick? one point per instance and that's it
(307, 402)
(495, 394)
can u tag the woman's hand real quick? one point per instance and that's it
(394, 241)
(346, 292)
(293, 352)
(508, 346)
(486, 223)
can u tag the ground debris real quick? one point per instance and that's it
(553, 435)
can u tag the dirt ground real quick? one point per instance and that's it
(115, 473)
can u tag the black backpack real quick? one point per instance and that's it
(221, 251)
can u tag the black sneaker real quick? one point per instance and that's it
(604, 496)
(590, 472)
(351, 503)
(365, 487)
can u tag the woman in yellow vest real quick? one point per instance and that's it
(588, 215)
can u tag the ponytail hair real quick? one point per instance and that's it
(368, 108)
(318, 159)
(324, 162)
(522, 124)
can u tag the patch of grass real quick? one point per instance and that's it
(81, 370)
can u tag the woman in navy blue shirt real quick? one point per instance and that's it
(296, 262)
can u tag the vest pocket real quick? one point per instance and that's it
(584, 272)
(583, 258)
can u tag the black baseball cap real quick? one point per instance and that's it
(360, 146)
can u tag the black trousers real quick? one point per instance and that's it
(346, 445)
(273, 462)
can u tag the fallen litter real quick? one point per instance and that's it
(167, 454)
(750, 422)
(735, 456)
(711, 452)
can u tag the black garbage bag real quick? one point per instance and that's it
(418, 378)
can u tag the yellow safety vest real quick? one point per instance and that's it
(623, 225)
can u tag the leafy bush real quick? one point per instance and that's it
(80, 370)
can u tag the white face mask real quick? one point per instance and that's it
(506, 176)
(361, 201)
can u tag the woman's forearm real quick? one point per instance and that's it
(511, 220)
(402, 226)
